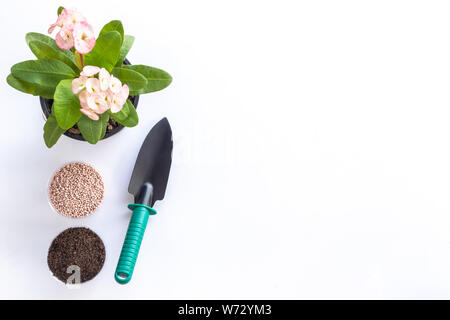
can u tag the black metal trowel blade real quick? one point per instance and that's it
(153, 162)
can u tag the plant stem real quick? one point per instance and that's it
(82, 60)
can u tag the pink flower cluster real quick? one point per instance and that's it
(74, 32)
(101, 94)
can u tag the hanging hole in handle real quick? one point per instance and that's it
(122, 277)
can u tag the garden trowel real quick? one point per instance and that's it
(148, 184)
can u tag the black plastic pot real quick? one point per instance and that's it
(46, 105)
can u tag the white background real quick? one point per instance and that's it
(311, 152)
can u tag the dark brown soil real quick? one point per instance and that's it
(76, 247)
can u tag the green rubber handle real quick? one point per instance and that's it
(132, 243)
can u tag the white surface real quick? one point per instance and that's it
(311, 152)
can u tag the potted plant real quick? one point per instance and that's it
(87, 88)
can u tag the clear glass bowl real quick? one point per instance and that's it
(51, 179)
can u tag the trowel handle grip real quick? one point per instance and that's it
(132, 243)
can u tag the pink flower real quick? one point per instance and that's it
(71, 17)
(64, 39)
(103, 93)
(75, 31)
(114, 84)
(116, 101)
(93, 85)
(59, 22)
(84, 37)
(97, 102)
(91, 114)
(52, 27)
(104, 78)
(68, 18)
(83, 96)
(89, 71)
(78, 84)
(86, 101)
(124, 93)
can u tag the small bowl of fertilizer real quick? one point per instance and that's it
(76, 190)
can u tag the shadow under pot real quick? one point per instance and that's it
(112, 127)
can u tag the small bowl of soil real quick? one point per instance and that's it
(76, 255)
(76, 190)
(112, 127)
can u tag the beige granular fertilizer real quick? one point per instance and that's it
(76, 190)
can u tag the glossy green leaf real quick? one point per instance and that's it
(115, 25)
(34, 36)
(157, 79)
(104, 119)
(66, 105)
(44, 72)
(91, 130)
(52, 131)
(34, 89)
(43, 50)
(126, 46)
(133, 79)
(60, 9)
(106, 51)
(127, 116)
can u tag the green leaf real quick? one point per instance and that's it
(115, 25)
(44, 72)
(66, 105)
(157, 79)
(106, 51)
(34, 36)
(52, 131)
(133, 79)
(44, 51)
(60, 9)
(91, 130)
(34, 89)
(127, 116)
(126, 46)
(78, 60)
(104, 118)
